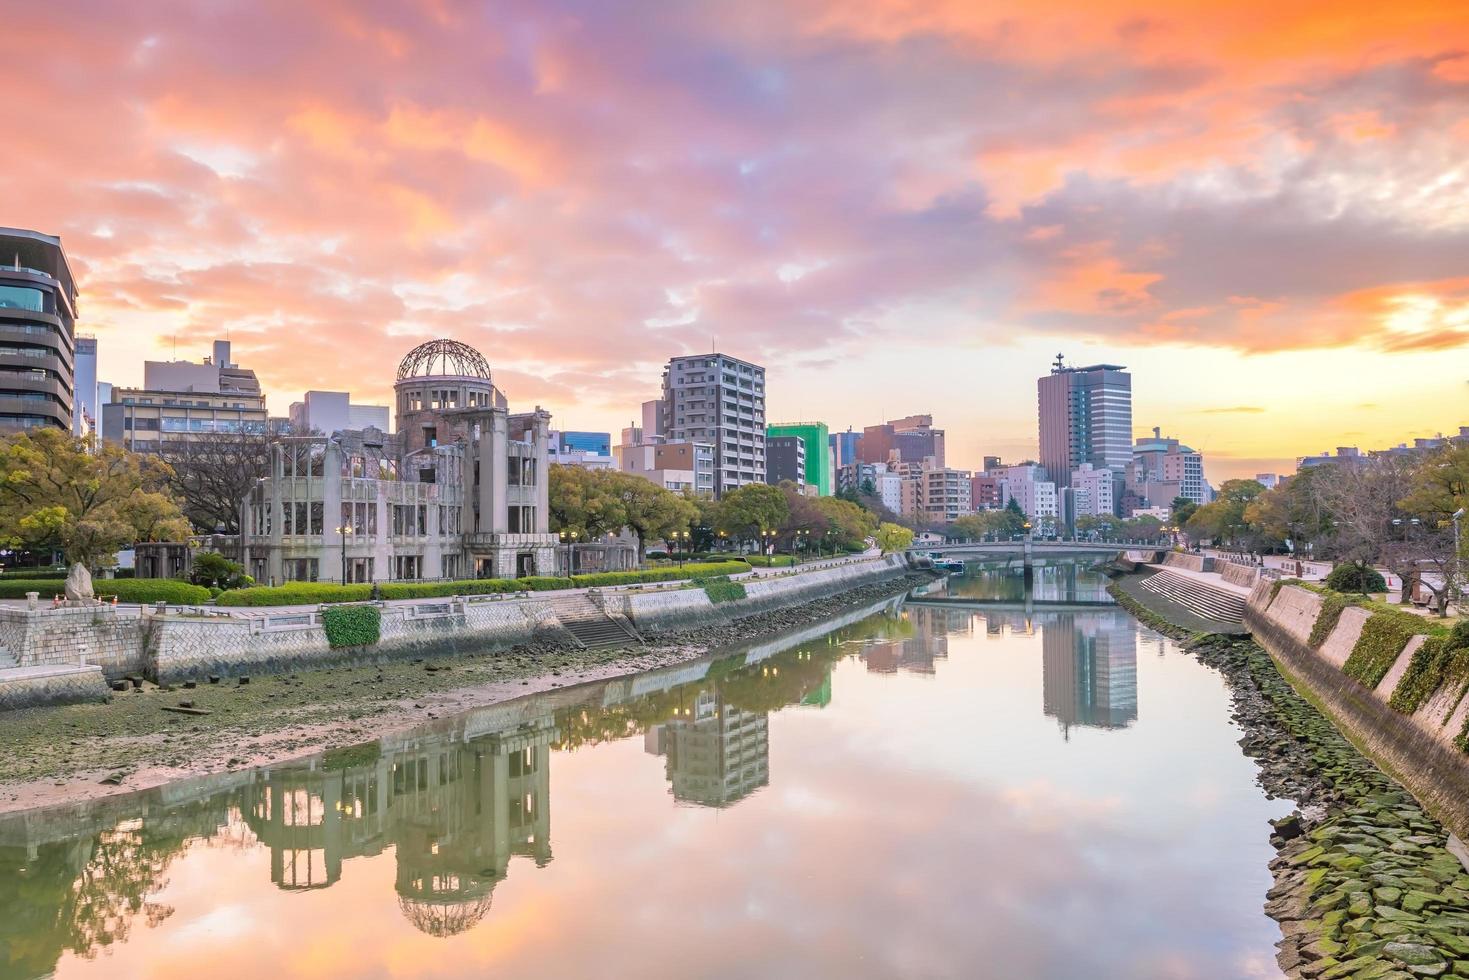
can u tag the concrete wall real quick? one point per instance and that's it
(1245, 575)
(1418, 750)
(1194, 563)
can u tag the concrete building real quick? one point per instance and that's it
(853, 476)
(817, 452)
(460, 490)
(683, 467)
(1091, 491)
(718, 399)
(943, 495)
(846, 448)
(1268, 480)
(984, 489)
(1031, 488)
(907, 440)
(84, 417)
(590, 450)
(717, 754)
(1085, 416)
(785, 459)
(889, 488)
(183, 401)
(38, 314)
(334, 411)
(1162, 465)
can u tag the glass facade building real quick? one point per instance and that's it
(37, 332)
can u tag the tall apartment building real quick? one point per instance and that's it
(785, 459)
(715, 398)
(818, 454)
(1091, 491)
(37, 332)
(1164, 468)
(906, 440)
(944, 495)
(183, 402)
(1030, 487)
(334, 411)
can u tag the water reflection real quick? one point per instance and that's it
(450, 808)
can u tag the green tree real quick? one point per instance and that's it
(748, 510)
(850, 525)
(56, 494)
(585, 501)
(1183, 509)
(893, 537)
(650, 511)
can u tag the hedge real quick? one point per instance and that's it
(352, 626)
(312, 593)
(33, 574)
(1355, 578)
(771, 561)
(127, 590)
(1383, 637)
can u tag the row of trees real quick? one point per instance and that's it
(1390, 509)
(57, 496)
(595, 503)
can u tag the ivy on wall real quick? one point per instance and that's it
(351, 626)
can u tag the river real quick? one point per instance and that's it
(985, 781)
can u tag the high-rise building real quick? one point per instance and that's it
(715, 398)
(944, 495)
(1089, 671)
(818, 454)
(334, 411)
(37, 332)
(1091, 491)
(785, 459)
(1085, 417)
(1030, 487)
(907, 440)
(846, 448)
(84, 417)
(591, 450)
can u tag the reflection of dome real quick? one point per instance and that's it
(443, 358)
(441, 917)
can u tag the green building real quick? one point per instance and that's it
(814, 437)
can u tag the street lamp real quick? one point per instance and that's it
(1456, 517)
(571, 536)
(342, 532)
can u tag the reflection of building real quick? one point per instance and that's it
(1089, 668)
(717, 753)
(454, 813)
(928, 641)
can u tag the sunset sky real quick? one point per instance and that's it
(1261, 208)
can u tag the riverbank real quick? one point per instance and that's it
(86, 751)
(1365, 882)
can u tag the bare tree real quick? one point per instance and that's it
(213, 472)
(1367, 522)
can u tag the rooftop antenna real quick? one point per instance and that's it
(1059, 365)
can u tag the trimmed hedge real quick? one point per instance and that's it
(771, 561)
(352, 626)
(33, 574)
(721, 589)
(1383, 637)
(127, 590)
(313, 593)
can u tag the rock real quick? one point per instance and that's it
(79, 584)
(244, 681)
(214, 678)
(190, 685)
(1289, 828)
(119, 685)
(1387, 895)
(114, 779)
(1416, 955)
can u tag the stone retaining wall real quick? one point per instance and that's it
(112, 639)
(1237, 574)
(1194, 563)
(36, 686)
(1417, 749)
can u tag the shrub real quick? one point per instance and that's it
(351, 626)
(126, 590)
(674, 573)
(474, 586)
(771, 561)
(212, 568)
(33, 574)
(721, 589)
(1361, 579)
(1331, 609)
(1383, 637)
(296, 594)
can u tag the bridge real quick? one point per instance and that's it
(1030, 552)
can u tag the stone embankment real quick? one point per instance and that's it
(1366, 882)
(176, 646)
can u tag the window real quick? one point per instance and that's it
(26, 298)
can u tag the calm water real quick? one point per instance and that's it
(928, 790)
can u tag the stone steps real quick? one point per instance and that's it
(590, 625)
(1209, 603)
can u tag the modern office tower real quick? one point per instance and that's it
(84, 417)
(1164, 469)
(184, 402)
(590, 450)
(785, 459)
(1089, 671)
(715, 398)
(1085, 417)
(906, 440)
(37, 332)
(818, 454)
(334, 411)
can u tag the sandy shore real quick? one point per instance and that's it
(85, 752)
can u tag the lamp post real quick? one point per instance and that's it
(722, 536)
(342, 532)
(1456, 517)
